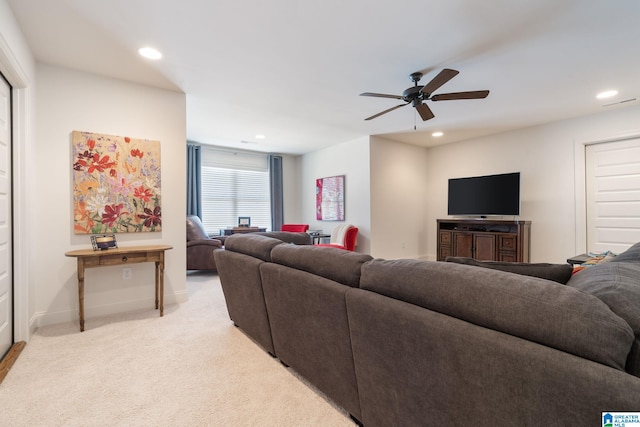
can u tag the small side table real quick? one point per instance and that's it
(578, 259)
(318, 238)
(88, 258)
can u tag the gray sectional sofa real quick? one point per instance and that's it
(418, 343)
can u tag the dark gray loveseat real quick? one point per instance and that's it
(416, 343)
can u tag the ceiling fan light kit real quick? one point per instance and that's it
(416, 95)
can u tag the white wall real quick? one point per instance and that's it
(352, 160)
(70, 100)
(18, 67)
(292, 189)
(550, 188)
(398, 200)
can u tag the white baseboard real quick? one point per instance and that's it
(51, 318)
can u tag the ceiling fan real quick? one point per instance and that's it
(417, 94)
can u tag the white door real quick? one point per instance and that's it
(613, 195)
(6, 275)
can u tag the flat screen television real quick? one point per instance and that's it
(485, 195)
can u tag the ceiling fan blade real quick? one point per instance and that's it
(385, 111)
(425, 112)
(381, 95)
(476, 94)
(442, 77)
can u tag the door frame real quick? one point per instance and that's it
(580, 190)
(21, 106)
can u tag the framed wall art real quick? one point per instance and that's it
(330, 198)
(116, 184)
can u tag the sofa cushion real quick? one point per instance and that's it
(560, 273)
(617, 284)
(252, 244)
(310, 330)
(534, 309)
(242, 287)
(335, 264)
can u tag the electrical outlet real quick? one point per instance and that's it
(127, 273)
(402, 245)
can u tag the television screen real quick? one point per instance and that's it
(485, 195)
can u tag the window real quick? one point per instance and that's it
(234, 184)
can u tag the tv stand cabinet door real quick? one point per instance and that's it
(463, 244)
(484, 247)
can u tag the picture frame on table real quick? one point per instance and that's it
(104, 242)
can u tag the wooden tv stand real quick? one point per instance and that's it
(484, 239)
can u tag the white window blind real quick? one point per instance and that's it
(234, 184)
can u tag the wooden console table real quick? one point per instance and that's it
(88, 258)
(236, 230)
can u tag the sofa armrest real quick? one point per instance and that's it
(204, 242)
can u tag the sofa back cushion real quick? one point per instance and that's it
(538, 310)
(335, 264)
(252, 244)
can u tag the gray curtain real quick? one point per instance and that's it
(275, 180)
(194, 162)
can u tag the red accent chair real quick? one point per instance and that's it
(343, 237)
(296, 228)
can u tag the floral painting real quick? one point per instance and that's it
(116, 184)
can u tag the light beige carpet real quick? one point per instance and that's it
(191, 367)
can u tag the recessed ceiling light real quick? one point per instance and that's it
(437, 134)
(607, 94)
(150, 53)
(260, 136)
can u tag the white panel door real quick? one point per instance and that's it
(613, 195)
(6, 276)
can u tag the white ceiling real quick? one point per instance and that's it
(293, 69)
